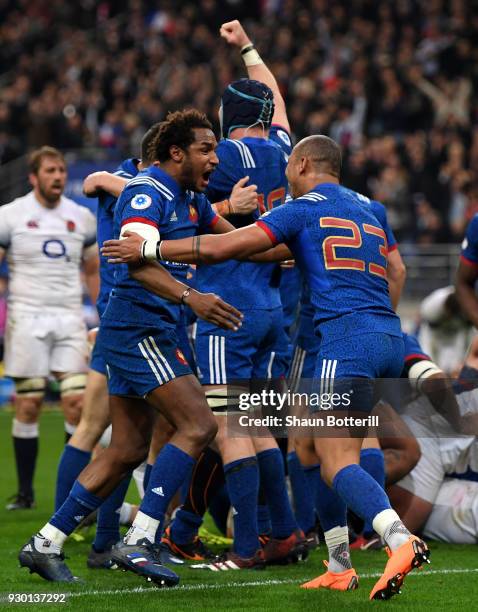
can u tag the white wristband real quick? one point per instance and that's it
(251, 57)
(149, 250)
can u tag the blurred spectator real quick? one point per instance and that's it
(393, 82)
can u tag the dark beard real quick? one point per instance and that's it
(50, 198)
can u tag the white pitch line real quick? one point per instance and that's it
(255, 583)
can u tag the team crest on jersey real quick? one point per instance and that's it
(70, 226)
(32, 224)
(193, 214)
(141, 201)
(180, 357)
(284, 136)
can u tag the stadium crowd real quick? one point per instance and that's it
(393, 84)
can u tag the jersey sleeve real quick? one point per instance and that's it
(207, 217)
(281, 224)
(281, 136)
(142, 204)
(90, 229)
(5, 227)
(380, 212)
(469, 247)
(106, 202)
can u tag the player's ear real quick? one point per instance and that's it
(303, 165)
(176, 153)
(33, 179)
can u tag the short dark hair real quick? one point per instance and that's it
(146, 142)
(323, 152)
(36, 157)
(177, 129)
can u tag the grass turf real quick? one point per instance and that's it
(450, 583)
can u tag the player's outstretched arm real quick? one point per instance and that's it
(103, 181)
(235, 34)
(242, 201)
(209, 249)
(207, 306)
(466, 277)
(278, 254)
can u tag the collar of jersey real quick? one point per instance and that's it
(165, 178)
(327, 186)
(130, 165)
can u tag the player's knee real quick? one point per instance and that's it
(72, 412)
(327, 473)
(305, 450)
(29, 396)
(72, 386)
(204, 431)
(129, 456)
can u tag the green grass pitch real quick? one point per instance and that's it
(449, 583)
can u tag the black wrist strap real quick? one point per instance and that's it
(247, 49)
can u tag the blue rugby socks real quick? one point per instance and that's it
(372, 461)
(147, 475)
(332, 512)
(72, 462)
(171, 468)
(107, 528)
(303, 488)
(369, 501)
(271, 469)
(242, 482)
(206, 480)
(79, 503)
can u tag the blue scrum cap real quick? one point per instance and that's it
(246, 103)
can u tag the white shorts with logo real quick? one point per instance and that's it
(38, 344)
(454, 517)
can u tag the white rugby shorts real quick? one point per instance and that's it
(38, 344)
(454, 517)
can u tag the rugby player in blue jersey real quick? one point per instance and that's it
(95, 416)
(146, 370)
(306, 349)
(341, 248)
(256, 143)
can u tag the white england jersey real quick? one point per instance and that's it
(45, 248)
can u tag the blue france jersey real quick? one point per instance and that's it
(248, 285)
(380, 212)
(469, 248)
(341, 247)
(104, 220)
(156, 199)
